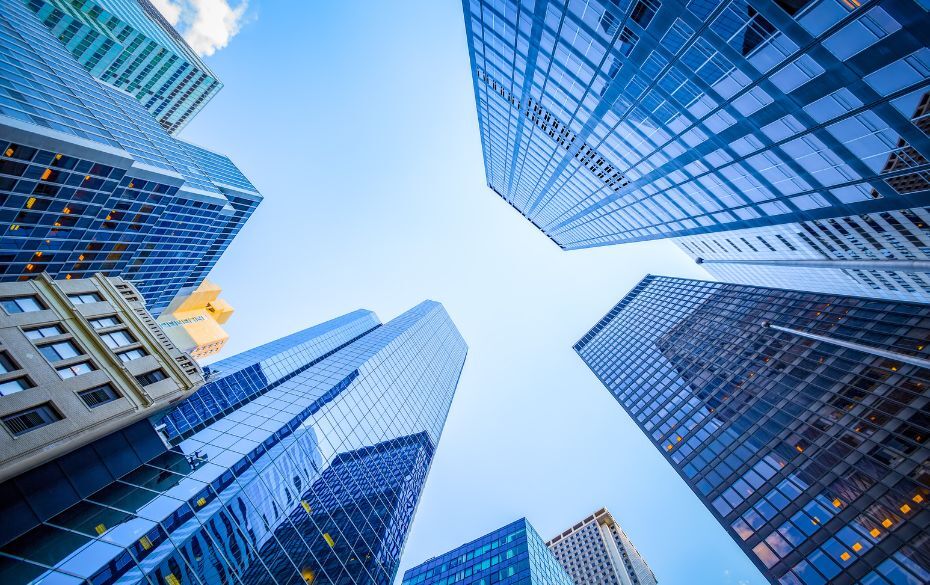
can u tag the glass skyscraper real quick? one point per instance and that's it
(299, 461)
(799, 419)
(129, 44)
(91, 182)
(611, 121)
(512, 555)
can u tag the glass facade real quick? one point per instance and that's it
(300, 461)
(91, 182)
(884, 255)
(611, 121)
(512, 555)
(799, 419)
(129, 44)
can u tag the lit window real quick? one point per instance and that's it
(75, 370)
(21, 305)
(46, 331)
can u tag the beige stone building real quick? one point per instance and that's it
(79, 359)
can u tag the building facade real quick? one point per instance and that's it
(301, 460)
(130, 45)
(799, 419)
(80, 359)
(883, 255)
(512, 555)
(605, 122)
(596, 551)
(91, 182)
(194, 321)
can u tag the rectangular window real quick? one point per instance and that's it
(117, 339)
(7, 364)
(14, 386)
(75, 370)
(104, 322)
(21, 305)
(99, 395)
(24, 421)
(132, 354)
(151, 377)
(84, 298)
(46, 331)
(59, 351)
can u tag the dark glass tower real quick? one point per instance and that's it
(91, 182)
(299, 461)
(611, 121)
(512, 555)
(799, 419)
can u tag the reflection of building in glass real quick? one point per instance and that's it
(294, 459)
(356, 516)
(513, 554)
(89, 180)
(799, 419)
(597, 550)
(605, 122)
(79, 359)
(193, 321)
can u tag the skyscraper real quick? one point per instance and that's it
(301, 460)
(511, 555)
(605, 122)
(130, 45)
(799, 419)
(91, 182)
(596, 550)
(884, 255)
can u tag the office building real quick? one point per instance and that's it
(193, 321)
(596, 550)
(800, 420)
(90, 182)
(512, 555)
(883, 255)
(130, 45)
(301, 460)
(79, 359)
(605, 122)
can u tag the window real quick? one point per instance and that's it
(99, 395)
(132, 354)
(117, 339)
(24, 421)
(46, 331)
(21, 305)
(151, 377)
(104, 322)
(14, 386)
(59, 351)
(7, 364)
(75, 370)
(83, 298)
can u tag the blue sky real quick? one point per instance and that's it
(357, 122)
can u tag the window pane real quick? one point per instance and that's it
(6, 364)
(47, 331)
(13, 386)
(75, 370)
